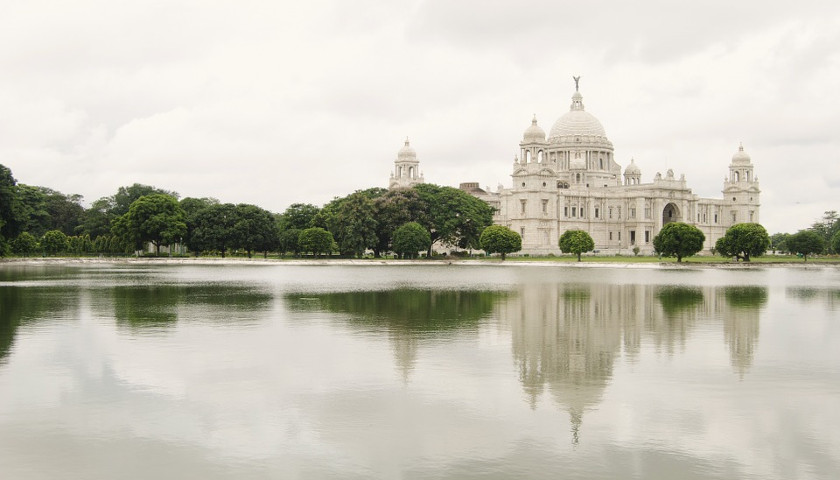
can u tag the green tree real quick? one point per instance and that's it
(677, 239)
(25, 244)
(392, 210)
(806, 242)
(576, 242)
(351, 220)
(54, 242)
(835, 242)
(316, 240)
(289, 241)
(827, 226)
(298, 216)
(213, 229)
(409, 239)
(255, 229)
(778, 242)
(12, 218)
(155, 218)
(453, 216)
(500, 239)
(743, 240)
(121, 201)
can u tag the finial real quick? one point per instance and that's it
(406, 141)
(577, 83)
(534, 120)
(740, 146)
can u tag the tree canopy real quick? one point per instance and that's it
(212, 228)
(500, 239)
(316, 240)
(453, 216)
(806, 242)
(744, 240)
(677, 239)
(576, 242)
(409, 239)
(155, 218)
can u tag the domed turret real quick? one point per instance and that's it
(534, 134)
(407, 153)
(632, 174)
(406, 168)
(740, 157)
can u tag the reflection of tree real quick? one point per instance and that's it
(20, 305)
(158, 305)
(408, 315)
(679, 311)
(829, 296)
(740, 324)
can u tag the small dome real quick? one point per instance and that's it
(534, 134)
(632, 169)
(407, 153)
(741, 156)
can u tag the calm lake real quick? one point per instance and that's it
(418, 371)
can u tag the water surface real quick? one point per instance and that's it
(426, 371)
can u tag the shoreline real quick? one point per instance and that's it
(397, 262)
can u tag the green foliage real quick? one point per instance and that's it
(352, 221)
(212, 228)
(677, 239)
(835, 242)
(500, 239)
(453, 216)
(576, 242)
(827, 226)
(316, 240)
(12, 216)
(409, 239)
(778, 242)
(289, 241)
(155, 218)
(25, 244)
(744, 240)
(54, 242)
(254, 229)
(393, 209)
(298, 216)
(806, 242)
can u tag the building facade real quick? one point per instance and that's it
(570, 180)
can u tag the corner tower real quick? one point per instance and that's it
(740, 190)
(406, 169)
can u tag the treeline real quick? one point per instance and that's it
(823, 236)
(40, 221)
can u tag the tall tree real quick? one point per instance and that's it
(316, 240)
(827, 226)
(677, 239)
(12, 218)
(743, 241)
(410, 239)
(454, 217)
(255, 229)
(213, 229)
(806, 242)
(298, 216)
(393, 209)
(155, 218)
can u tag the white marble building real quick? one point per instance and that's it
(571, 180)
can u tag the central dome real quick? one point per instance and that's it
(576, 121)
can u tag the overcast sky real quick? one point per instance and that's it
(278, 102)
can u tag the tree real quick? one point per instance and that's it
(500, 239)
(410, 239)
(576, 242)
(827, 226)
(453, 216)
(298, 216)
(778, 242)
(835, 242)
(677, 239)
(255, 229)
(155, 218)
(356, 225)
(25, 244)
(213, 228)
(54, 242)
(289, 241)
(316, 240)
(12, 218)
(806, 242)
(392, 210)
(121, 201)
(743, 240)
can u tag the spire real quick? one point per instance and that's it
(534, 120)
(577, 98)
(406, 141)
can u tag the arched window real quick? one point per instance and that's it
(399, 171)
(410, 172)
(577, 178)
(527, 156)
(748, 175)
(601, 162)
(737, 176)
(540, 156)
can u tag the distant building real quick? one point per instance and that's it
(571, 181)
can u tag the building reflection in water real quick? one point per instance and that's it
(567, 337)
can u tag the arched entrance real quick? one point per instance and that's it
(670, 214)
